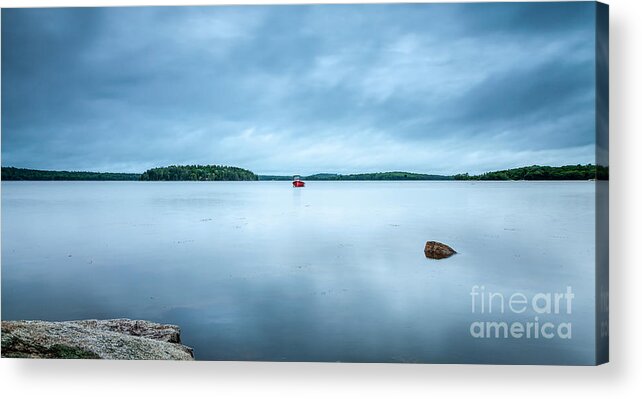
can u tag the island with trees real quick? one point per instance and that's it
(198, 173)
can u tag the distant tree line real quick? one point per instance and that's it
(277, 177)
(378, 176)
(219, 172)
(11, 173)
(537, 172)
(198, 173)
(364, 176)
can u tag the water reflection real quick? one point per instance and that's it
(331, 272)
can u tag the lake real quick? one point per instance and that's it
(331, 272)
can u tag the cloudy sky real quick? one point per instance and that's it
(441, 88)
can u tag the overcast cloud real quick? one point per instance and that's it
(435, 88)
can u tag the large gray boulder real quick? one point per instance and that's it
(93, 339)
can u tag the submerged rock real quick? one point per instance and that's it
(437, 250)
(93, 339)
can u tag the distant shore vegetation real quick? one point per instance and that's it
(198, 173)
(363, 176)
(537, 172)
(231, 173)
(11, 173)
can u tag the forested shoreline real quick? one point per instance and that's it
(232, 173)
(363, 176)
(11, 173)
(537, 172)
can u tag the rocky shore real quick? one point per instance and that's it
(93, 339)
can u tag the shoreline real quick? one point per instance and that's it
(115, 339)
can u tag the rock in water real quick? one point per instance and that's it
(437, 250)
(93, 339)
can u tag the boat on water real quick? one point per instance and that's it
(297, 182)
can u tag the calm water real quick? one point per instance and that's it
(331, 272)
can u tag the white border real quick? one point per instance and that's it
(621, 378)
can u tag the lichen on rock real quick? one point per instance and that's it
(93, 339)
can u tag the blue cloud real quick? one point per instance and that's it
(439, 88)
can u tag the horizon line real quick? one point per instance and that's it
(310, 174)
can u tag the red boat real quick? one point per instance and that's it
(297, 182)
